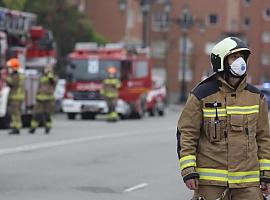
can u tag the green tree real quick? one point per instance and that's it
(66, 22)
(14, 4)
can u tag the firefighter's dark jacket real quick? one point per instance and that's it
(223, 135)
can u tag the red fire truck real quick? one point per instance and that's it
(33, 46)
(86, 69)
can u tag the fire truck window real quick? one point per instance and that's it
(126, 70)
(90, 70)
(140, 69)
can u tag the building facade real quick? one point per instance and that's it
(195, 26)
(182, 33)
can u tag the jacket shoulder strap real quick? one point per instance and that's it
(253, 89)
(206, 88)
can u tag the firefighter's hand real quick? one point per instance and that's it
(192, 184)
(265, 187)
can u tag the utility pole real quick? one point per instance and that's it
(185, 22)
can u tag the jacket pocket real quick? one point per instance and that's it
(213, 129)
(237, 123)
(251, 127)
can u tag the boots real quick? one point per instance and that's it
(32, 130)
(47, 130)
(14, 131)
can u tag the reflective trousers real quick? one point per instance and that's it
(209, 192)
(42, 112)
(15, 113)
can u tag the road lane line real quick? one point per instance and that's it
(44, 145)
(136, 187)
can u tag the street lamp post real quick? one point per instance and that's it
(185, 23)
(145, 8)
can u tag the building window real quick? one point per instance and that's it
(140, 69)
(266, 37)
(266, 14)
(212, 19)
(160, 21)
(158, 49)
(247, 22)
(247, 2)
(265, 60)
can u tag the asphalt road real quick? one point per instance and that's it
(93, 160)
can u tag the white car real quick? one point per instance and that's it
(59, 94)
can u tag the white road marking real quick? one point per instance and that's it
(136, 187)
(44, 145)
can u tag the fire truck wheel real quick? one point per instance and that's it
(71, 116)
(88, 115)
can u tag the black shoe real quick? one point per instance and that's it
(14, 131)
(32, 130)
(47, 130)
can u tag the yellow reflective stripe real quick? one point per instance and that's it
(187, 158)
(230, 177)
(213, 174)
(264, 164)
(230, 110)
(212, 112)
(244, 177)
(242, 109)
(187, 161)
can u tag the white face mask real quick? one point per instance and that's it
(238, 67)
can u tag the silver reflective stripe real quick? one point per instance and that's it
(264, 165)
(242, 177)
(214, 174)
(187, 161)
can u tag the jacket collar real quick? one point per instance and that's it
(226, 87)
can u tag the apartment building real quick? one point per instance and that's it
(208, 21)
(182, 33)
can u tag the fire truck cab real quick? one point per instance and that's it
(87, 68)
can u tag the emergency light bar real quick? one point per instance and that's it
(86, 46)
(114, 45)
(16, 22)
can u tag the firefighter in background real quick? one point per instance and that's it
(15, 81)
(110, 91)
(45, 101)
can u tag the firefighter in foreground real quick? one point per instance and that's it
(45, 102)
(15, 81)
(110, 91)
(223, 131)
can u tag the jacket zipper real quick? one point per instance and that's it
(225, 135)
(247, 132)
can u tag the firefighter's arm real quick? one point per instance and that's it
(188, 133)
(9, 81)
(51, 78)
(263, 141)
(102, 90)
(117, 83)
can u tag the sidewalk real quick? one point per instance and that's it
(175, 107)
